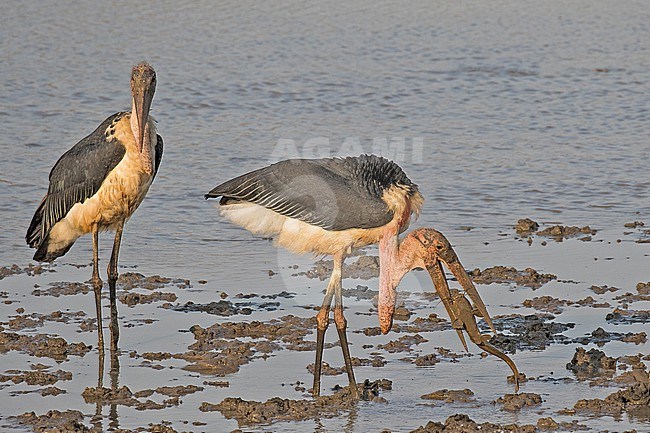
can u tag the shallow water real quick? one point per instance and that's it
(506, 110)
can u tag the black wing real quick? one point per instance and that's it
(332, 193)
(159, 152)
(75, 177)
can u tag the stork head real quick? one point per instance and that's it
(425, 248)
(143, 86)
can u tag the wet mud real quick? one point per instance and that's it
(526, 227)
(553, 305)
(528, 277)
(31, 270)
(218, 308)
(531, 332)
(41, 345)
(364, 268)
(35, 377)
(634, 400)
(283, 409)
(54, 421)
(625, 317)
(37, 320)
(460, 423)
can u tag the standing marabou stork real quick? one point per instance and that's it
(98, 184)
(332, 205)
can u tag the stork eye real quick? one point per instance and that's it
(439, 247)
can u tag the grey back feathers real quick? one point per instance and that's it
(331, 193)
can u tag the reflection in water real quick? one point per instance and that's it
(114, 375)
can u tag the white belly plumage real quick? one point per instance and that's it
(119, 196)
(295, 235)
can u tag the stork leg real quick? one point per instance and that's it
(341, 325)
(97, 287)
(322, 318)
(322, 322)
(112, 280)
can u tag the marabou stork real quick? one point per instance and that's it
(98, 184)
(332, 205)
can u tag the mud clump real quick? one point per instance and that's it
(601, 290)
(105, 396)
(365, 268)
(526, 226)
(426, 360)
(528, 277)
(450, 395)
(131, 280)
(559, 232)
(31, 270)
(634, 224)
(460, 423)
(553, 305)
(586, 364)
(35, 377)
(282, 409)
(327, 370)
(360, 293)
(220, 349)
(515, 402)
(123, 396)
(222, 308)
(599, 337)
(41, 345)
(403, 344)
(63, 289)
(624, 317)
(532, 332)
(634, 400)
(53, 421)
(34, 320)
(643, 288)
(133, 299)
(419, 324)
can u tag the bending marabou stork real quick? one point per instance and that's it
(332, 205)
(98, 184)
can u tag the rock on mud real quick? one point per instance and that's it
(526, 226)
(451, 395)
(460, 423)
(514, 402)
(590, 363)
(528, 277)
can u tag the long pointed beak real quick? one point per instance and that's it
(142, 98)
(466, 283)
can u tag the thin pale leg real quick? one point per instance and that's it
(112, 280)
(341, 323)
(97, 287)
(322, 322)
